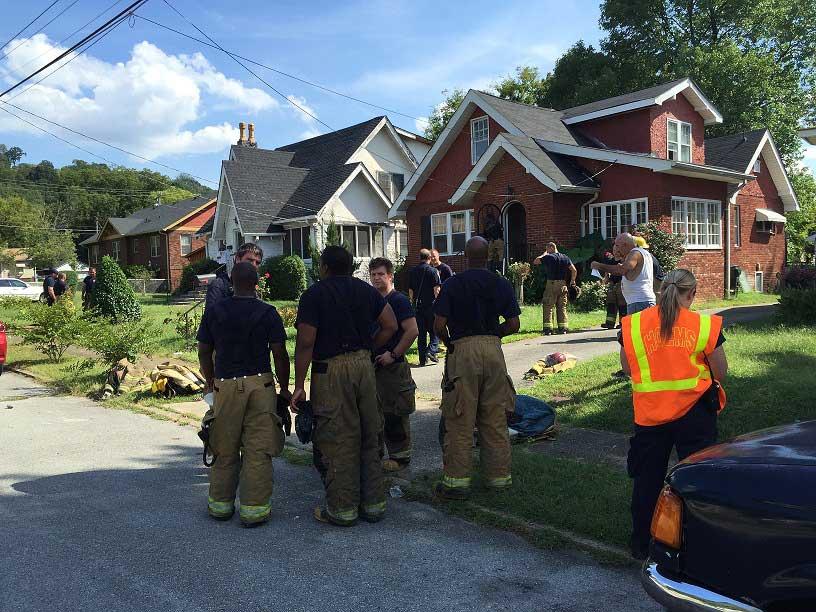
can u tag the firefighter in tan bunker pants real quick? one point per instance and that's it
(334, 323)
(244, 428)
(476, 388)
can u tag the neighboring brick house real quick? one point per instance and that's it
(603, 167)
(162, 238)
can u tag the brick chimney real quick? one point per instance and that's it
(241, 140)
(252, 142)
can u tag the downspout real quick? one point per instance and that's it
(732, 200)
(167, 259)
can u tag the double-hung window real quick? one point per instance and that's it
(115, 250)
(479, 138)
(737, 232)
(678, 140)
(154, 246)
(186, 242)
(402, 242)
(699, 221)
(611, 218)
(450, 231)
(95, 254)
(299, 239)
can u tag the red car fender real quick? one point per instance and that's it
(3, 343)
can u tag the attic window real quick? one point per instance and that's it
(391, 183)
(678, 140)
(479, 138)
(757, 166)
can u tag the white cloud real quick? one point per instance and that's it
(420, 123)
(152, 104)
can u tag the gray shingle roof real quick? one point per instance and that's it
(733, 152)
(152, 219)
(266, 194)
(332, 149)
(253, 155)
(543, 123)
(559, 168)
(635, 96)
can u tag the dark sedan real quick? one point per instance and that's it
(735, 527)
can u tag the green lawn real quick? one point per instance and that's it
(589, 500)
(770, 382)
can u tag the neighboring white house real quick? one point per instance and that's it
(283, 199)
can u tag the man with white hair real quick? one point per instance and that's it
(637, 270)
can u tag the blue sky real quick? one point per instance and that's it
(168, 98)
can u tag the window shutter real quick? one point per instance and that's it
(425, 232)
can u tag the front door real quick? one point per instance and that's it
(515, 228)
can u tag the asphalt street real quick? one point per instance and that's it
(105, 510)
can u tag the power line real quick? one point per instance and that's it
(28, 25)
(70, 36)
(53, 19)
(110, 29)
(107, 144)
(82, 42)
(285, 74)
(248, 69)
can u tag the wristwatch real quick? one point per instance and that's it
(394, 356)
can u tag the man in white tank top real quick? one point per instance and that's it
(637, 270)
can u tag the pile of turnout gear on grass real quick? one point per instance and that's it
(551, 364)
(166, 379)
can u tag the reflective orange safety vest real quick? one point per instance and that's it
(669, 377)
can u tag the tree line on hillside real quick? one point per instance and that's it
(42, 207)
(756, 61)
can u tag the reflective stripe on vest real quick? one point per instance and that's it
(646, 384)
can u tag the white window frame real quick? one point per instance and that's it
(766, 227)
(154, 246)
(449, 233)
(398, 233)
(115, 250)
(623, 218)
(473, 157)
(757, 166)
(679, 142)
(356, 245)
(736, 213)
(181, 244)
(683, 225)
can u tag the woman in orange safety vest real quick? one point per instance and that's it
(676, 360)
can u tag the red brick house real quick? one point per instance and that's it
(162, 238)
(603, 167)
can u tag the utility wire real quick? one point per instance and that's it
(282, 73)
(28, 25)
(53, 19)
(82, 42)
(102, 35)
(248, 69)
(70, 36)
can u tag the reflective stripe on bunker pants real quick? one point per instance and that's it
(476, 392)
(396, 392)
(348, 426)
(555, 296)
(615, 304)
(244, 436)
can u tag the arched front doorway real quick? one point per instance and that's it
(515, 232)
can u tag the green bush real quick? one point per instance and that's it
(534, 286)
(666, 246)
(52, 329)
(287, 277)
(188, 274)
(114, 298)
(137, 271)
(798, 306)
(71, 279)
(127, 340)
(593, 296)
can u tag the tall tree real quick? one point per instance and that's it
(442, 113)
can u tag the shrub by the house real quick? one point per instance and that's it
(190, 272)
(797, 303)
(287, 277)
(52, 329)
(114, 298)
(593, 296)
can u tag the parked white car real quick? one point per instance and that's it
(17, 288)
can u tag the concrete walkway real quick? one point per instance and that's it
(105, 510)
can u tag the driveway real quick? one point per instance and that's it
(105, 510)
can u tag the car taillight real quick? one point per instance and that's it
(667, 521)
